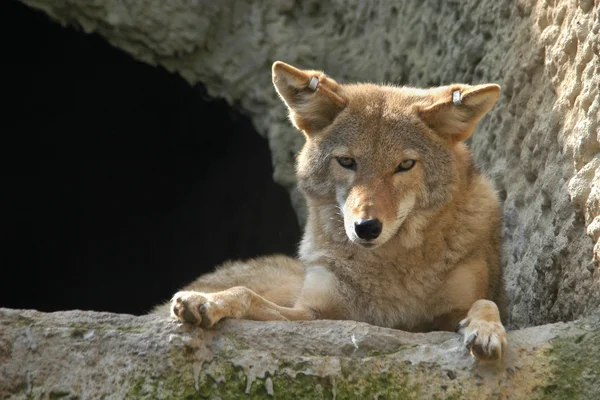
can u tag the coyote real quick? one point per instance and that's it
(403, 231)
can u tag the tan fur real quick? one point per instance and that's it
(436, 261)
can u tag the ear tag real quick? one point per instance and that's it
(314, 82)
(456, 98)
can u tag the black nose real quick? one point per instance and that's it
(368, 229)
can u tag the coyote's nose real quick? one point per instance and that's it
(368, 229)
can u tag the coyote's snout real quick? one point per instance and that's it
(373, 212)
(403, 231)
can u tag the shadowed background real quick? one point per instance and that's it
(121, 182)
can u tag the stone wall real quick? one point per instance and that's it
(540, 143)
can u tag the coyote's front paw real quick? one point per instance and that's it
(485, 340)
(483, 332)
(195, 308)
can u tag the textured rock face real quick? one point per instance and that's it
(79, 354)
(540, 143)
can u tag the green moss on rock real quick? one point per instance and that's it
(576, 367)
(19, 320)
(224, 380)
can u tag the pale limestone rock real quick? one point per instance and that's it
(86, 355)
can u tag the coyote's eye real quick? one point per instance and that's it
(347, 162)
(405, 165)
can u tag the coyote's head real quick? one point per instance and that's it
(379, 153)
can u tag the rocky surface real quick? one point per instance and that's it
(79, 354)
(540, 143)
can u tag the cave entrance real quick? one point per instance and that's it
(123, 182)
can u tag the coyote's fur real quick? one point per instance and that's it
(403, 230)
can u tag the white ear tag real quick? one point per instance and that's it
(456, 98)
(314, 82)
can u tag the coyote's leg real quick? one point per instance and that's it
(483, 332)
(206, 309)
(464, 290)
(276, 278)
(316, 297)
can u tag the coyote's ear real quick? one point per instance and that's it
(314, 99)
(456, 109)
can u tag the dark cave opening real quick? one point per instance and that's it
(121, 182)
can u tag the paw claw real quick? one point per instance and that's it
(175, 311)
(478, 349)
(470, 339)
(189, 317)
(462, 324)
(485, 340)
(206, 322)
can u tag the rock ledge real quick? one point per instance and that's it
(80, 354)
